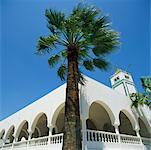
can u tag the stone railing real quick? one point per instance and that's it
(100, 136)
(42, 141)
(93, 135)
(128, 139)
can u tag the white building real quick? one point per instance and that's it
(107, 119)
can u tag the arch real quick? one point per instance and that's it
(127, 123)
(21, 128)
(39, 126)
(144, 132)
(9, 135)
(23, 131)
(107, 108)
(56, 113)
(100, 116)
(90, 124)
(58, 119)
(2, 134)
(130, 117)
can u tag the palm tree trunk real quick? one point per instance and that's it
(72, 129)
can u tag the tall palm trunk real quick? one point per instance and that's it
(72, 131)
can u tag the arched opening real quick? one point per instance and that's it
(23, 131)
(39, 127)
(99, 118)
(143, 129)
(2, 134)
(60, 121)
(125, 125)
(9, 136)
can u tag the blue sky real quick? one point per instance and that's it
(24, 77)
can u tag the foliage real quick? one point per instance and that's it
(143, 98)
(87, 30)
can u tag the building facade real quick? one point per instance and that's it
(107, 119)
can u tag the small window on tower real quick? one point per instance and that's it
(127, 77)
(116, 79)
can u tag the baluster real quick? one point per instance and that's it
(105, 138)
(101, 139)
(93, 136)
(90, 136)
(97, 136)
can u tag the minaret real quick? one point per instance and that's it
(122, 82)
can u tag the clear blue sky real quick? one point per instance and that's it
(24, 77)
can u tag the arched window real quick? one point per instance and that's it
(143, 129)
(23, 131)
(60, 121)
(40, 126)
(2, 134)
(125, 124)
(99, 118)
(9, 136)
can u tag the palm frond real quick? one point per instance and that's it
(53, 60)
(101, 63)
(83, 53)
(62, 71)
(55, 20)
(64, 53)
(88, 64)
(140, 99)
(81, 78)
(46, 43)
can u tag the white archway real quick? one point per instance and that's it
(58, 119)
(9, 135)
(22, 131)
(144, 132)
(39, 126)
(127, 123)
(100, 117)
(2, 134)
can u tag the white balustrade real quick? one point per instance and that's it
(7, 146)
(56, 139)
(100, 136)
(128, 139)
(92, 136)
(38, 141)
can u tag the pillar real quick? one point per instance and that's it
(84, 134)
(116, 126)
(50, 133)
(29, 137)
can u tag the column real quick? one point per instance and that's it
(29, 137)
(84, 134)
(116, 126)
(50, 133)
(138, 135)
(16, 139)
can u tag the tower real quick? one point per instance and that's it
(122, 82)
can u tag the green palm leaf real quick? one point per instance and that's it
(62, 71)
(101, 63)
(52, 61)
(45, 44)
(88, 64)
(55, 20)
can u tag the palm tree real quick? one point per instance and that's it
(140, 99)
(86, 38)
